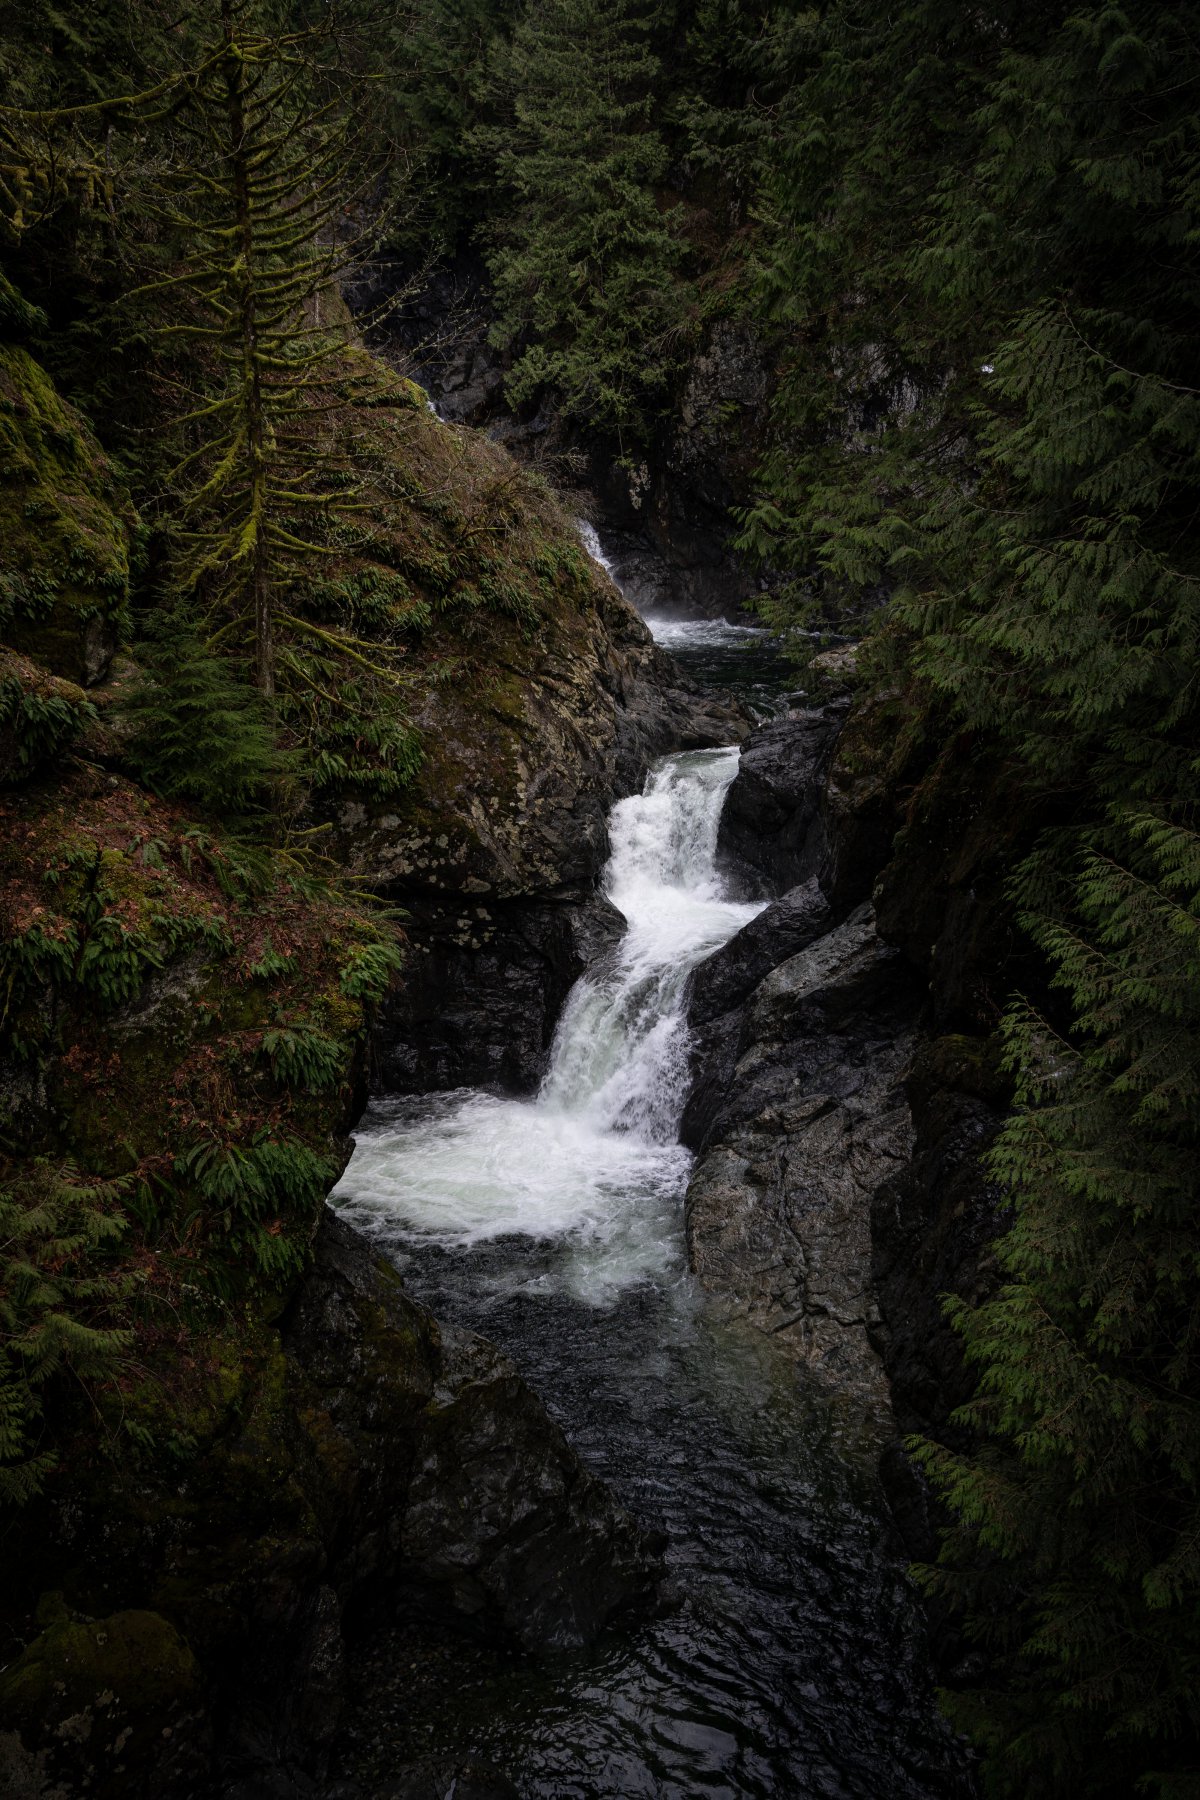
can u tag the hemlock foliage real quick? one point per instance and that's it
(586, 266)
(979, 239)
(1076, 1543)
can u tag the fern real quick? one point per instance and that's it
(368, 970)
(259, 1202)
(303, 1057)
(60, 1302)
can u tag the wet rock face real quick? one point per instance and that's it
(730, 976)
(773, 833)
(481, 992)
(799, 1117)
(502, 1521)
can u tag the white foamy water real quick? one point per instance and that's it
(677, 634)
(704, 634)
(592, 1160)
(589, 538)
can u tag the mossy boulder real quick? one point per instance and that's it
(534, 692)
(117, 1699)
(65, 529)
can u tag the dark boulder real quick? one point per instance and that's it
(780, 930)
(773, 834)
(364, 1460)
(799, 1120)
(445, 1471)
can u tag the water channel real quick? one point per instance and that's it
(793, 1661)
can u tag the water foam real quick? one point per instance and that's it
(592, 1161)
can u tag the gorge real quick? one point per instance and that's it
(599, 900)
(555, 1226)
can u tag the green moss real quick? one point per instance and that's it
(134, 1659)
(64, 529)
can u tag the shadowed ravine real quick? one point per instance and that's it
(792, 1661)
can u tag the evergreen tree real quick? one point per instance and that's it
(435, 67)
(256, 186)
(1076, 1543)
(877, 375)
(587, 264)
(200, 734)
(981, 234)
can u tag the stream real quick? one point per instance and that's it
(793, 1661)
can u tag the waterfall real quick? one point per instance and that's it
(592, 1160)
(620, 1053)
(589, 537)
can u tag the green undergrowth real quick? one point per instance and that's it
(183, 1000)
(182, 1032)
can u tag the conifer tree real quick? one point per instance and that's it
(255, 188)
(1076, 1537)
(1025, 263)
(587, 263)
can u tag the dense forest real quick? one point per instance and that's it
(965, 243)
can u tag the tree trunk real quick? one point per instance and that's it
(252, 397)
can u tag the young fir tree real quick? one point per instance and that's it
(240, 160)
(201, 735)
(587, 262)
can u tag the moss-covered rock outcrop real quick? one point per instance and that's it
(65, 529)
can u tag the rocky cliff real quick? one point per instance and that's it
(845, 1079)
(666, 516)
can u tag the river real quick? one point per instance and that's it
(792, 1662)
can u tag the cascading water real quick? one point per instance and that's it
(592, 1161)
(793, 1666)
(741, 658)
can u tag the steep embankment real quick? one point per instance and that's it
(240, 1428)
(667, 510)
